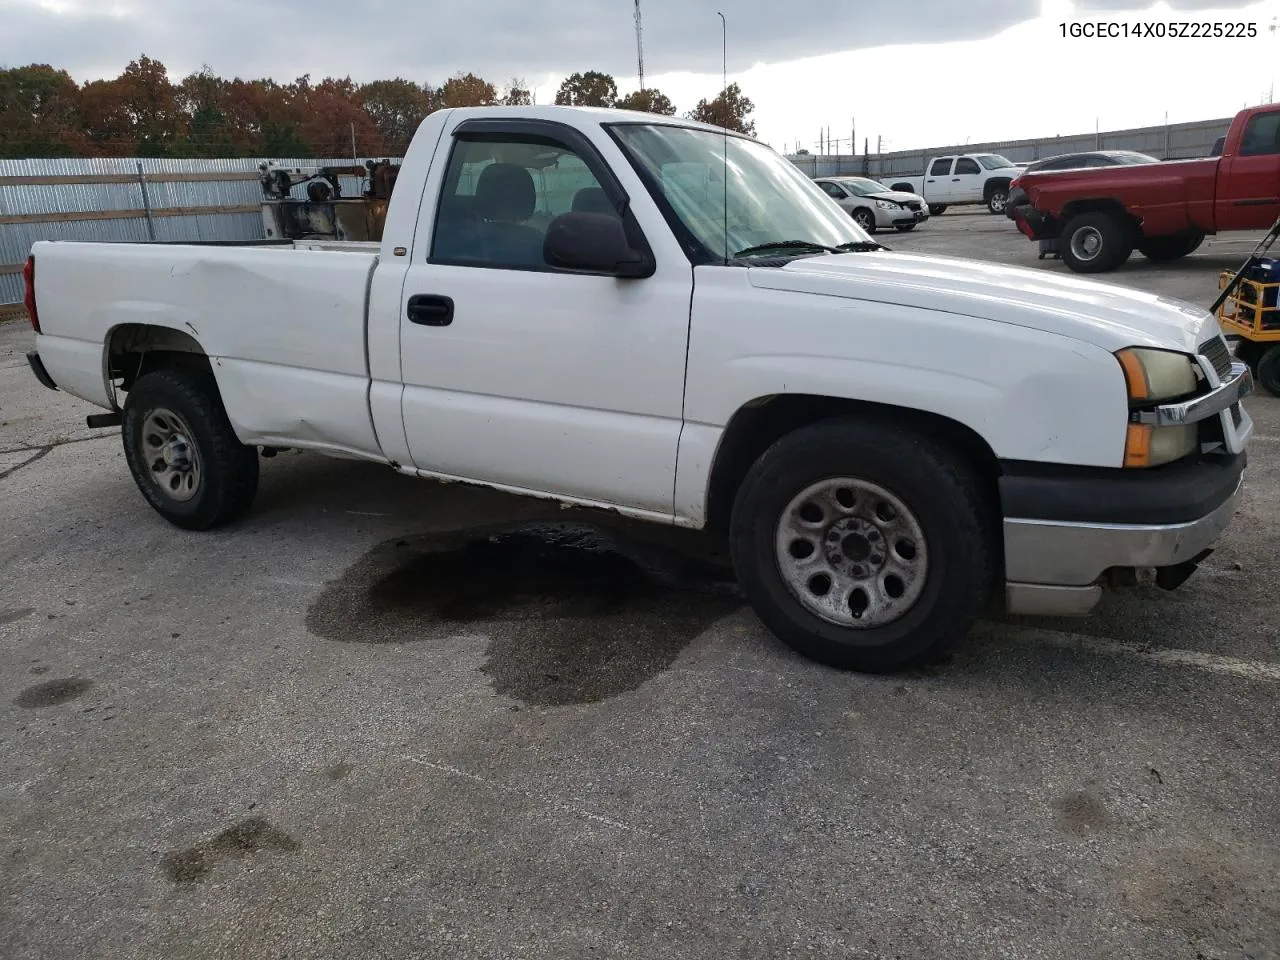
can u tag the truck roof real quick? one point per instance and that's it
(576, 115)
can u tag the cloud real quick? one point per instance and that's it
(495, 38)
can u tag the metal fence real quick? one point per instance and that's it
(1168, 142)
(130, 201)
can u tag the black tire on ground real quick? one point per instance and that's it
(937, 209)
(998, 200)
(1269, 371)
(905, 227)
(1166, 249)
(1095, 242)
(1249, 353)
(865, 219)
(941, 494)
(174, 419)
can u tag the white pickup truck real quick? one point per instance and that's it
(564, 306)
(969, 179)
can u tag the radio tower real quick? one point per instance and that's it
(640, 44)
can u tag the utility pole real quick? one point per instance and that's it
(640, 45)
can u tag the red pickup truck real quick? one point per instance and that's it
(1099, 216)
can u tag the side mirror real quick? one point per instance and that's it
(594, 243)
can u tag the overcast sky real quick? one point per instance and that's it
(917, 72)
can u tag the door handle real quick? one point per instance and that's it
(955, 179)
(430, 310)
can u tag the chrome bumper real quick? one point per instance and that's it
(1053, 568)
(1237, 386)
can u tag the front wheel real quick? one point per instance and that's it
(1268, 365)
(865, 219)
(862, 545)
(182, 451)
(937, 209)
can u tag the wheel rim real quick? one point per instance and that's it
(852, 553)
(863, 219)
(172, 458)
(1086, 243)
(998, 201)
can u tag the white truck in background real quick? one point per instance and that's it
(564, 306)
(968, 179)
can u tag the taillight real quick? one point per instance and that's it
(29, 298)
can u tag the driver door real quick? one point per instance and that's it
(525, 376)
(966, 181)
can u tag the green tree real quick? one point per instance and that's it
(648, 101)
(39, 113)
(730, 110)
(396, 107)
(517, 94)
(590, 89)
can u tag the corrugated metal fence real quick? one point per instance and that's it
(107, 200)
(1172, 142)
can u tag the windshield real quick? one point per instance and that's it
(769, 199)
(993, 161)
(864, 188)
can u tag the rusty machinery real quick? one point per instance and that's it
(325, 213)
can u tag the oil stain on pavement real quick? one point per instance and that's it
(52, 692)
(245, 839)
(575, 614)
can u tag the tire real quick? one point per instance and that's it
(1168, 249)
(865, 219)
(1076, 245)
(943, 581)
(937, 209)
(998, 200)
(905, 227)
(183, 453)
(1269, 371)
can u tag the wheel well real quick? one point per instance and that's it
(1095, 205)
(136, 349)
(991, 186)
(761, 423)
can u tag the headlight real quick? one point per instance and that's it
(1152, 377)
(888, 205)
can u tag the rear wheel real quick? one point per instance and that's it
(1095, 242)
(937, 209)
(862, 545)
(183, 453)
(1166, 249)
(865, 219)
(998, 200)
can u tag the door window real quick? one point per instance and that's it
(1262, 135)
(967, 166)
(500, 196)
(834, 190)
(940, 167)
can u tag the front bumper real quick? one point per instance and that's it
(1066, 528)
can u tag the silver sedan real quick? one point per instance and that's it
(874, 205)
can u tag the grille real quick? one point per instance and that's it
(913, 205)
(1219, 357)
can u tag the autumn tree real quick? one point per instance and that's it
(39, 113)
(648, 101)
(517, 94)
(203, 96)
(108, 124)
(467, 90)
(730, 110)
(396, 107)
(590, 89)
(151, 101)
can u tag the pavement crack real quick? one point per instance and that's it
(46, 447)
(40, 452)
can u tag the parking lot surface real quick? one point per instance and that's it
(374, 721)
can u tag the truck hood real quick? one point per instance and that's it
(1100, 314)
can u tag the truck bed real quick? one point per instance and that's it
(284, 326)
